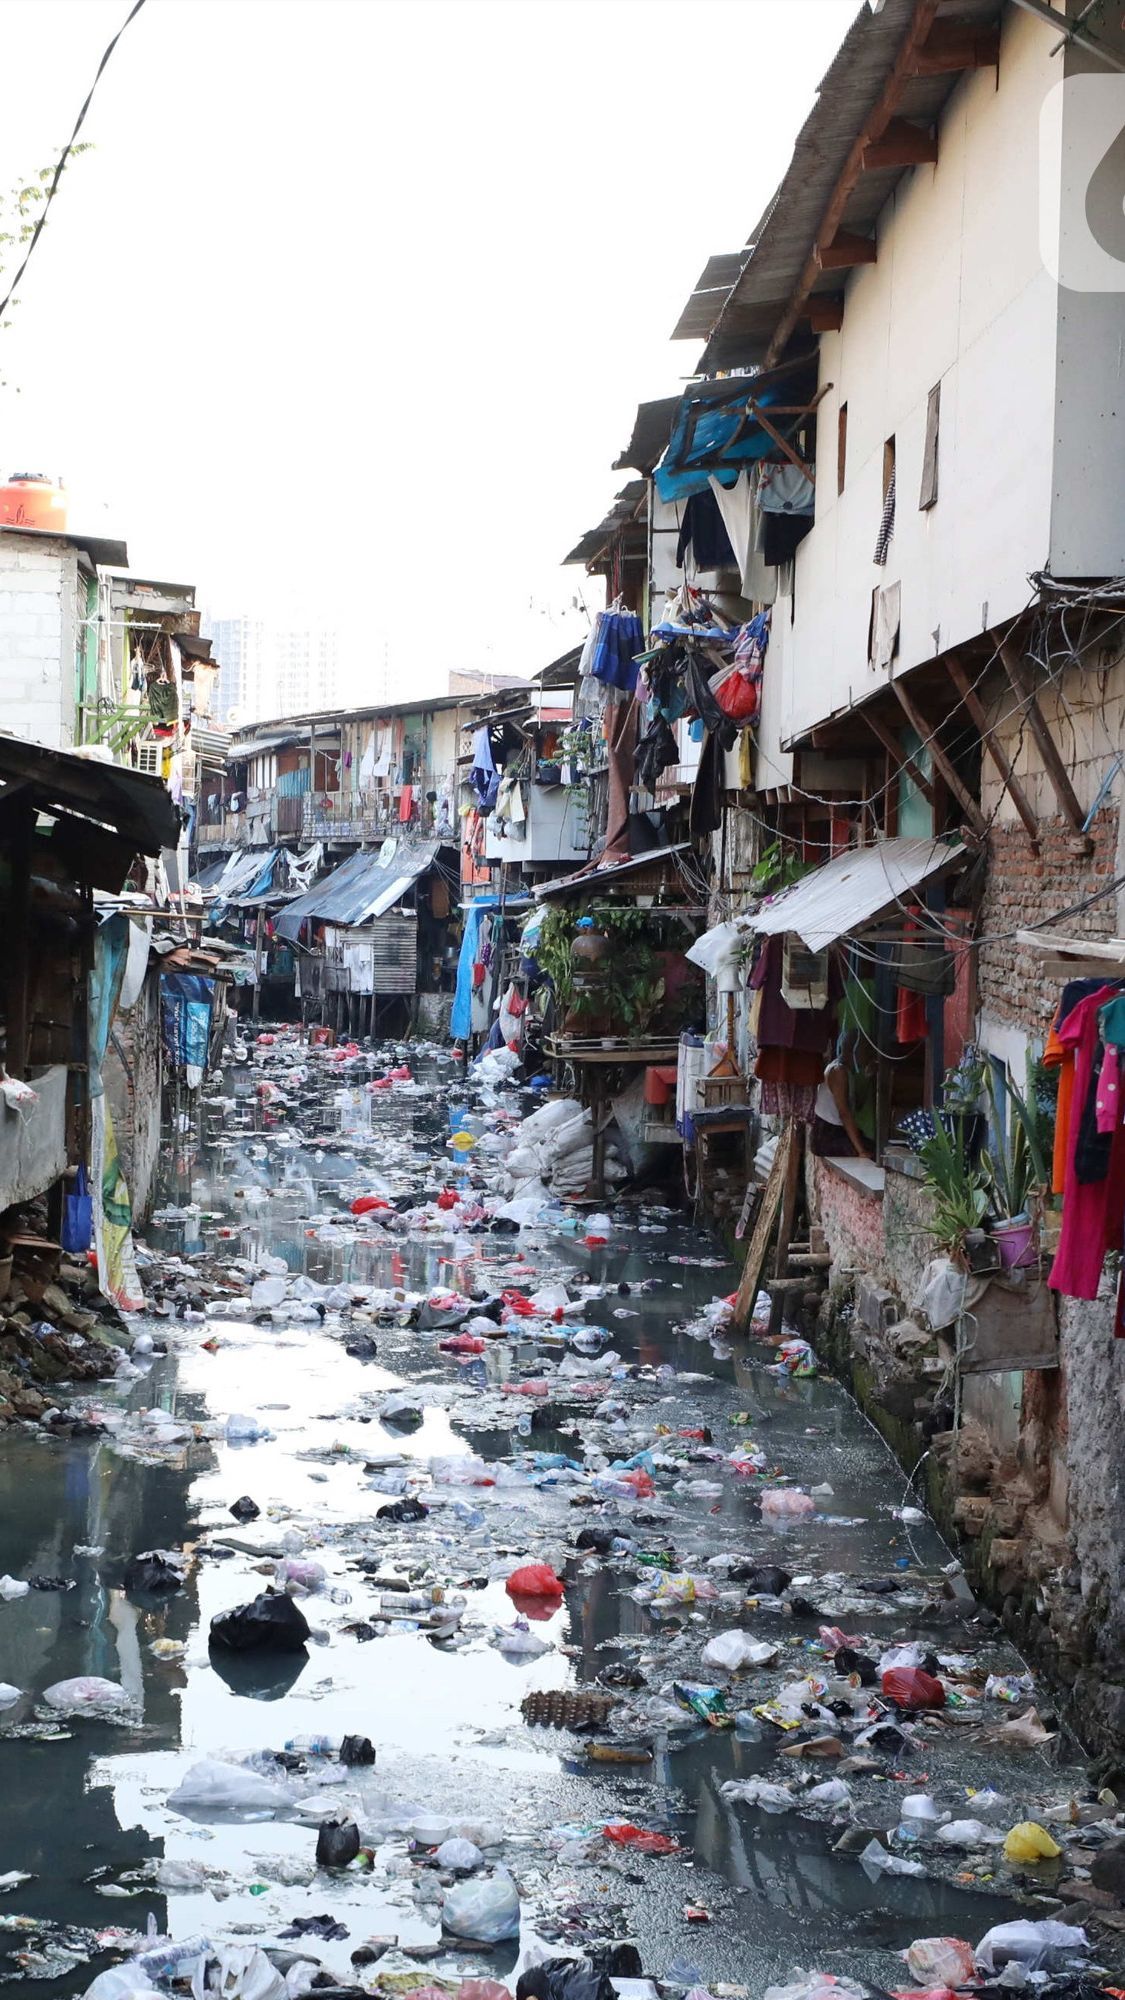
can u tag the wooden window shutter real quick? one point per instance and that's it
(929, 489)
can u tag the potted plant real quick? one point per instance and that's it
(1015, 1164)
(959, 1188)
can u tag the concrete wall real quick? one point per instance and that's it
(38, 639)
(959, 296)
(33, 1143)
(556, 819)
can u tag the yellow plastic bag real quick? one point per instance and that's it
(1030, 1842)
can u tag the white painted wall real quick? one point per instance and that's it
(959, 295)
(554, 827)
(38, 636)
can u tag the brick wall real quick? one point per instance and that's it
(1022, 888)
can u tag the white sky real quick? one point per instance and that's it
(349, 311)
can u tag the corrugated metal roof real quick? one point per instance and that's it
(710, 294)
(744, 319)
(136, 806)
(364, 886)
(851, 891)
(619, 515)
(592, 878)
(651, 427)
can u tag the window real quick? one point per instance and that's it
(929, 488)
(841, 446)
(887, 519)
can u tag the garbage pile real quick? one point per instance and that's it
(692, 1607)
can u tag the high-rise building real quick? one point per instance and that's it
(270, 668)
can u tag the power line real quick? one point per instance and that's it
(64, 156)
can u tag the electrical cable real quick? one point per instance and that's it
(63, 158)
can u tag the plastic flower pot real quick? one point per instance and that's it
(1014, 1241)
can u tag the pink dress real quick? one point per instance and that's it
(1077, 1268)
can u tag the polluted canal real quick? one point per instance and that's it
(585, 1625)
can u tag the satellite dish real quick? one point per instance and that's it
(388, 851)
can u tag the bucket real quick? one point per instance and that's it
(1014, 1242)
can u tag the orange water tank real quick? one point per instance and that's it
(30, 500)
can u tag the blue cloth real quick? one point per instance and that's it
(461, 1019)
(618, 639)
(484, 779)
(185, 1011)
(111, 949)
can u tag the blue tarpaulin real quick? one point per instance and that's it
(714, 434)
(185, 1011)
(461, 1019)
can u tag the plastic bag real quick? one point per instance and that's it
(244, 1973)
(119, 1982)
(877, 1861)
(519, 1642)
(212, 1787)
(156, 1573)
(940, 1961)
(1030, 1842)
(272, 1621)
(534, 1580)
(967, 1833)
(913, 1688)
(458, 1853)
(564, 1979)
(87, 1695)
(486, 1908)
(78, 1217)
(11, 1587)
(759, 1792)
(337, 1843)
(1039, 1946)
(624, 1834)
(733, 1651)
(781, 1503)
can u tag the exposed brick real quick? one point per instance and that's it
(1022, 889)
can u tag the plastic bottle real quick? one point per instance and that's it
(313, 1746)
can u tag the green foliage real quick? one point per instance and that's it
(20, 211)
(1017, 1162)
(960, 1190)
(629, 985)
(777, 868)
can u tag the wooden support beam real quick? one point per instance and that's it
(1024, 692)
(782, 443)
(899, 758)
(881, 112)
(973, 814)
(999, 756)
(955, 45)
(901, 144)
(845, 250)
(825, 314)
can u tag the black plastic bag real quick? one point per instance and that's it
(564, 1979)
(246, 1509)
(403, 1510)
(761, 1579)
(271, 1622)
(337, 1843)
(357, 1750)
(154, 1575)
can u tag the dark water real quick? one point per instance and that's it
(88, 1805)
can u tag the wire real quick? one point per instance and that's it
(64, 156)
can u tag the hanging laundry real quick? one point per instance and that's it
(886, 524)
(703, 531)
(619, 638)
(484, 779)
(1077, 1267)
(784, 489)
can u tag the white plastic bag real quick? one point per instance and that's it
(9, 1694)
(759, 1792)
(1039, 1946)
(486, 1909)
(87, 1695)
(212, 1787)
(876, 1860)
(119, 1982)
(940, 1961)
(458, 1853)
(11, 1587)
(733, 1651)
(243, 1972)
(968, 1833)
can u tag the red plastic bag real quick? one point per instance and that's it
(912, 1687)
(463, 1343)
(447, 1199)
(739, 697)
(364, 1203)
(400, 1075)
(518, 1302)
(534, 1580)
(639, 1480)
(624, 1835)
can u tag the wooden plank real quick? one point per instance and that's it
(901, 145)
(898, 756)
(782, 443)
(955, 45)
(789, 1199)
(1048, 749)
(825, 314)
(999, 756)
(973, 814)
(882, 112)
(763, 1230)
(847, 249)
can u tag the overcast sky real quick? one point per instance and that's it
(349, 310)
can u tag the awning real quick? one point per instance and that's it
(366, 885)
(851, 891)
(136, 806)
(725, 424)
(238, 871)
(592, 878)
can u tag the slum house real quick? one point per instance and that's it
(73, 829)
(315, 790)
(933, 779)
